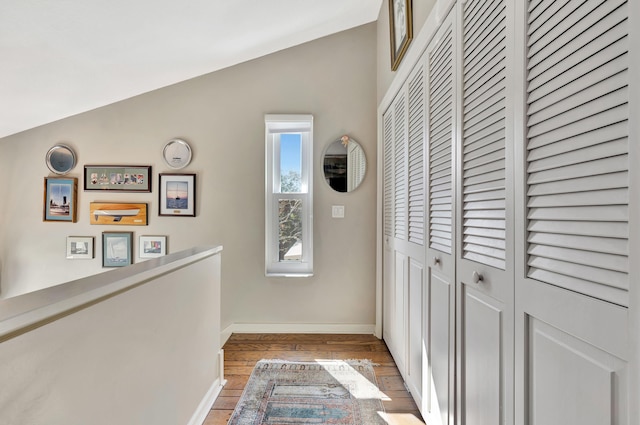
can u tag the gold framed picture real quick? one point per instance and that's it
(400, 29)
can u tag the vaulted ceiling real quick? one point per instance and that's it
(62, 57)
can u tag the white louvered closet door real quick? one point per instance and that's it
(414, 245)
(395, 261)
(403, 128)
(439, 312)
(387, 224)
(574, 278)
(485, 198)
(407, 235)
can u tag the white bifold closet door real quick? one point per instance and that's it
(404, 234)
(485, 276)
(572, 280)
(439, 312)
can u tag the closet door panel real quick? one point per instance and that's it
(415, 330)
(484, 264)
(577, 146)
(484, 360)
(404, 229)
(574, 365)
(388, 259)
(573, 272)
(400, 310)
(439, 349)
(414, 246)
(439, 373)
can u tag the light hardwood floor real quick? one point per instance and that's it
(242, 351)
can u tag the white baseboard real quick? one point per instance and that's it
(307, 328)
(205, 405)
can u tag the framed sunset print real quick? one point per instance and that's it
(177, 195)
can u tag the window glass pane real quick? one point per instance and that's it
(290, 163)
(290, 229)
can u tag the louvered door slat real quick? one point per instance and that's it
(595, 197)
(611, 76)
(591, 153)
(615, 131)
(479, 25)
(489, 135)
(557, 105)
(586, 213)
(558, 57)
(563, 23)
(580, 113)
(593, 122)
(602, 166)
(483, 156)
(440, 113)
(477, 63)
(587, 243)
(416, 158)
(493, 180)
(489, 242)
(584, 184)
(483, 133)
(485, 195)
(484, 90)
(387, 120)
(562, 74)
(400, 169)
(581, 272)
(494, 233)
(490, 112)
(482, 148)
(611, 229)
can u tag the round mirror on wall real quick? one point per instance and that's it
(61, 159)
(344, 164)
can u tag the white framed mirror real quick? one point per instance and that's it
(344, 164)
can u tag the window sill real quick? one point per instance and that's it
(288, 274)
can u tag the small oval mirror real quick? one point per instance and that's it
(344, 164)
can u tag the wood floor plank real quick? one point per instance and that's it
(242, 351)
(341, 347)
(259, 346)
(225, 403)
(218, 417)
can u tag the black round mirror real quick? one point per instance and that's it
(344, 164)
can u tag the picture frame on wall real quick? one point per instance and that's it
(80, 247)
(117, 249)
(60, 199)
(118, 213)
(117, 178)
(177, 195)
(152, 246)
(400, 29)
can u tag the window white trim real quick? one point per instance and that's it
(275, 125)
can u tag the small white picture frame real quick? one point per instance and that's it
(80, 247)
(152, 246)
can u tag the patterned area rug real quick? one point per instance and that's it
(320, 392)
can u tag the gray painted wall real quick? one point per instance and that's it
(222, 116)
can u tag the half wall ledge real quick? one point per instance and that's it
(26, 312)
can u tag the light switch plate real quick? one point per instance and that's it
(337, 211)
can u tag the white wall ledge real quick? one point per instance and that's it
(28, 311)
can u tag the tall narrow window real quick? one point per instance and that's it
(289, 195)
